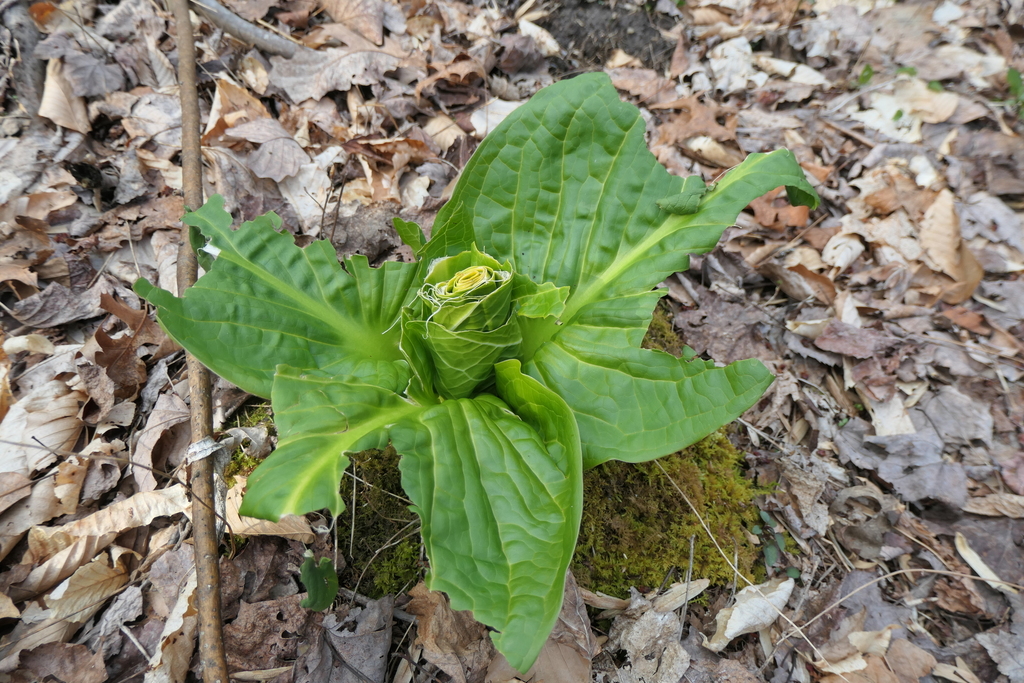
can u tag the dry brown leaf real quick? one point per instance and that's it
(908, 661)
(41, 506)
(68, 483)
(90, 76)
(169, 663)
(59, 102)
(775, 212)
(294, 527)
(64, 662)
(13, 487)
(48, 413)
(453, 641)
(46, 543)
(7, 608)
(57, 304)
(168, 412)
(311, 75)
(695, 119)
(997, 505)
(364, 16)
(91, 584)
(232, 106)
(278, 157)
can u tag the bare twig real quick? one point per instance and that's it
(265, 40)
(211, 637)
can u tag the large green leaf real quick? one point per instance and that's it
(566, 190)
(319, 417)
(500, 498)
(267, 302)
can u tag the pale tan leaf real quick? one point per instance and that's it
(59, 103)
(364, 16)
(139, 510)
(7, 608)
(756, 608)
(940, 234)
(62, 565)
(13, 487)
(232, 106)
(278, 157)
(293, 527)
(91, 584)
(38, 628)
(40, 506)
(978, 565)
(312, 74)
(33, 343)
(169, 664)
(679, 593)
(997, 505)
(48, 413)
(70, 476)
(443, 131)
(168, 412)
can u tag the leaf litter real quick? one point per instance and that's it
(892, 318)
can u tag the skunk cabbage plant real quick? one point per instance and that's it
(500, 364)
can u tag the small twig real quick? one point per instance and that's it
(265, 40)
(852, 134)
(207, 546)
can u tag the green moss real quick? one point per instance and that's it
(636, 527)
(386, 551)
(661, 334)
(250, 415)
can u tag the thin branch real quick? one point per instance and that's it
(211, 635)
(265, 40)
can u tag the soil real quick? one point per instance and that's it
(590, 32)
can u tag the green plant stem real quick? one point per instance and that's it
(211, 636)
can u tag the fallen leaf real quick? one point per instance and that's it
(13, 487)
(39, 507)
(278, 157)
(1005, 649)
(40, 427)
(294, 527)
(453, 641)
(169, 412)
(265, 633)
(997, 505)
(651, 641)
(756, 608)
(858, 342)
(311, 75)
(64, 662)
(90, 584)
(57, 305)
(364, 16)
(908, 661)
(59, 102)
(90, 76)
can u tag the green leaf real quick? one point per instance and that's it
(866, 74)
(566, 190)
(266, 302)
(321, 582)
(319, 417)
(410, 234)
(500, 499)
(636, 404)
(771, 554)
(1013, 79)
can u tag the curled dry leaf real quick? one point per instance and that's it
(91, 584)
(169, 412)
(756, 608)
(997, 505)
(39, 427)
(59, 103)
(311, 75)
(292, 527)
(364, 16)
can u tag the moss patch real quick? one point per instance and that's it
(636, 527)
(381, 524)
(250, 415)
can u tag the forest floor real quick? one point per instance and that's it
(892, 317)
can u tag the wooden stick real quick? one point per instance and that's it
(211, 636)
